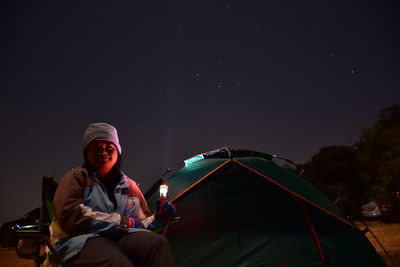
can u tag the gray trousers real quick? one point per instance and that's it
(138, 249)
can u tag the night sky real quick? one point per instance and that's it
(178, 78)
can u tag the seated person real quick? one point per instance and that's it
(102, 218)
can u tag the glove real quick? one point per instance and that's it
(165, 213)
(134, 223)
(155, 226)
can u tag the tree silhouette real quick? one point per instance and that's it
(379, 150)
(368, 170)
(335, 170)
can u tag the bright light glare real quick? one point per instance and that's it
(163, 190)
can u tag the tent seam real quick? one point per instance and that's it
(199, 181)
(313, 231)
(290, 191)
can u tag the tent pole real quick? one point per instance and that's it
(296, 195)
(314, 232)
(198, 181)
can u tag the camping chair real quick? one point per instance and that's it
(32, 243)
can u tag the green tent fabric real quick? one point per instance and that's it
(239, 208)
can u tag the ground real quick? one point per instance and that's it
(10, 259)
(388, 235)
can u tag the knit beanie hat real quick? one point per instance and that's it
(101, 131)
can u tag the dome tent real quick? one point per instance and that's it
(239, 208)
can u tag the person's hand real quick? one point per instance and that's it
(134, 223)
(166, 212)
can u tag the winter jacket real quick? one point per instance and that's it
(83, 210)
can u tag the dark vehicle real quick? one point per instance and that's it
(29, 221)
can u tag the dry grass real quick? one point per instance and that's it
(388, 235)
(9, 258)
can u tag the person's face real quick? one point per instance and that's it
(102, 156)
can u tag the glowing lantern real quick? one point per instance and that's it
(163, 194)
